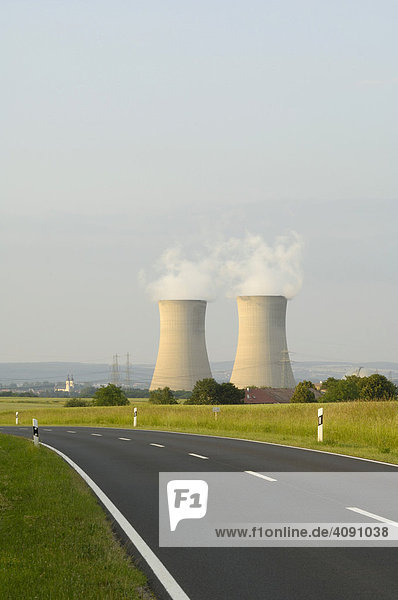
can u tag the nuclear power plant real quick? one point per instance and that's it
(262, 358)
(182, 357)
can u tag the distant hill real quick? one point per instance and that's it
(56, 372)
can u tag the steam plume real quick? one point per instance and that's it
(254, 268)
(245, 266)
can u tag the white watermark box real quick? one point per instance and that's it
(252, 509)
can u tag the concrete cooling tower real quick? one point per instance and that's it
(262, 358)
(182, 356)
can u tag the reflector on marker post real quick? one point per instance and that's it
(320, 424)
(135, 417)
(35, 432)
(16, 418)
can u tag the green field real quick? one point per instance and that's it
(55, 541)
(365, 429)
(9, 403)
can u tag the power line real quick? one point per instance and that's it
(129, 378)
(115, 373)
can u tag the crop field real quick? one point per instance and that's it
(22, 404)
(365, 429)
(19, 404)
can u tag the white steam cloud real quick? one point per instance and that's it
(253, 268)
(245, 266)
(183, 278)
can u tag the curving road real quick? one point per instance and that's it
(126, 463)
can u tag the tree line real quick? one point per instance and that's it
(368, 389)
(205, 391)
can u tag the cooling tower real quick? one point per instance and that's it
(182, 356)
(262, 357)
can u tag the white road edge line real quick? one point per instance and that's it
(261, 476)
(157, 445)
(372, 515)
(97, 434)
(165, 578)
(125, 439)
(198, 456)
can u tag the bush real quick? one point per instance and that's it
(76, 402)
(162, 396)
(110, 395)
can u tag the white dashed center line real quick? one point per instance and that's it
(125, 439)
(47, 429)
(198, 456)
(260, 476)
(71, 432)
(157, 445)
(97, 434)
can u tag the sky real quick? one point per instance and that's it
(130, 129)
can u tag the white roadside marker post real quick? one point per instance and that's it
(216, 410)
(35, 432)
(16, 418)
(320, 424)
(135, 417)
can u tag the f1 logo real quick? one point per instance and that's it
(187, 499)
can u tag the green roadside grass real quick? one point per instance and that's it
(55, 541)
(363, 429)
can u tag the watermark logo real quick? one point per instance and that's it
(187, 499)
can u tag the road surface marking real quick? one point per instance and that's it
(71, 432)
(225, 437)
(372, 515)
(97, 434)
(157, 445)
(125, 439)
(198, 455)
(260, 476)
(47, 429)
(165, 578)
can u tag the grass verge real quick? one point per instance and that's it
(55, 541)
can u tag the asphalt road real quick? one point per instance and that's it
(127, 470)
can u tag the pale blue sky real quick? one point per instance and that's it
(130, 126)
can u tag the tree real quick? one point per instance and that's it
(230, 394)
(352, 387)
(208, 391)
(110, 395)
(162, 396)
(205, 391)
(378, 387)
(304, 392)
(328, 383)
(343, 390)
